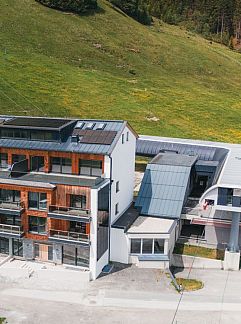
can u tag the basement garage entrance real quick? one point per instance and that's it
(43, 252)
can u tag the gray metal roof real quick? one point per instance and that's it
(163, 190)
(69, 146)
(174, 159)
(153, 147)
(127, 219)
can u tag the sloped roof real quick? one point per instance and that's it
(164, 185)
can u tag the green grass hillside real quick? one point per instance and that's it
(162, 79)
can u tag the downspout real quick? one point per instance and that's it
(110, 206)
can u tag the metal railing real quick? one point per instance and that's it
(75, 211)
(197, 211)
(16, 205)
(11, 229)
(71, 236)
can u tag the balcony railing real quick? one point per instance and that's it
(13, 205)
(72, 211)
(11, 229)
(70, 236)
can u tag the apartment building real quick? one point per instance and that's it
(63, 182)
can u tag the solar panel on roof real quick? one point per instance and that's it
(36, 122)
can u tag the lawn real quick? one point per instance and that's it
(199, 251)
(189, 284)
(162, 79)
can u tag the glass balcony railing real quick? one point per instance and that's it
(13, 205)
(71, 211)
(70, 236)
(11, 229)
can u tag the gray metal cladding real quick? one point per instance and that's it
(163, 189)
(149, 147)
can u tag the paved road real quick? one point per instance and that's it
(128, 296)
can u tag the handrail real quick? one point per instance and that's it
(11, 228)
(59, 209)
(68, 235)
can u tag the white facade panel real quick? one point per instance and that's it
(119, 246)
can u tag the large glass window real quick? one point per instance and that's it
(9, 195)
(90, 167)
(147, 246)
(61, 165)
(37, 163)
(3, 160)
(76, 256)
(136, 246)
(37, 224)
(10, 220)
(78, 201)
(17, 247)
(18, 157)
(37, 200)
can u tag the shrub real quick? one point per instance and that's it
(78, 6)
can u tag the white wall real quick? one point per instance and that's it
(123, 170)
(119, 246)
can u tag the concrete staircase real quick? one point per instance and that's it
(27, 267)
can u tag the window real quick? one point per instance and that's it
(3, 160)
(37, 224)
(76, 256)
(159, 246)
(61, 165)
(116, 208)
(10, 220)
(90, 167)
(37, 163)
(123, 138)
(89, 125)
(147, 246)
(117, 188)
(18, 157)
(9, 195)
(136, 246)
(78, 201)
(37, 200)
(127, 136)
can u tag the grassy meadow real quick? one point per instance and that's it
(164, 80)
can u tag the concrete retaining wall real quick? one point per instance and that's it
(186, 261)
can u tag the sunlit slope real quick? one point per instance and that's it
(162, 79)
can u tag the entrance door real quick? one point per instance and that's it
(43, 252)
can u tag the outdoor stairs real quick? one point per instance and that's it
(28, 268)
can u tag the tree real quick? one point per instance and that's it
(78, 6)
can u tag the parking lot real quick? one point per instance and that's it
(127, 295)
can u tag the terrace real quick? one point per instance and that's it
(74, 237)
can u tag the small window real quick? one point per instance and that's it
(117, 186)
(123, 138)
(127, 136)
(79, 124)
(100, 126)
(116, 208)
(89, 125)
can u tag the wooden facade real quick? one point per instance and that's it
(58, 196)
